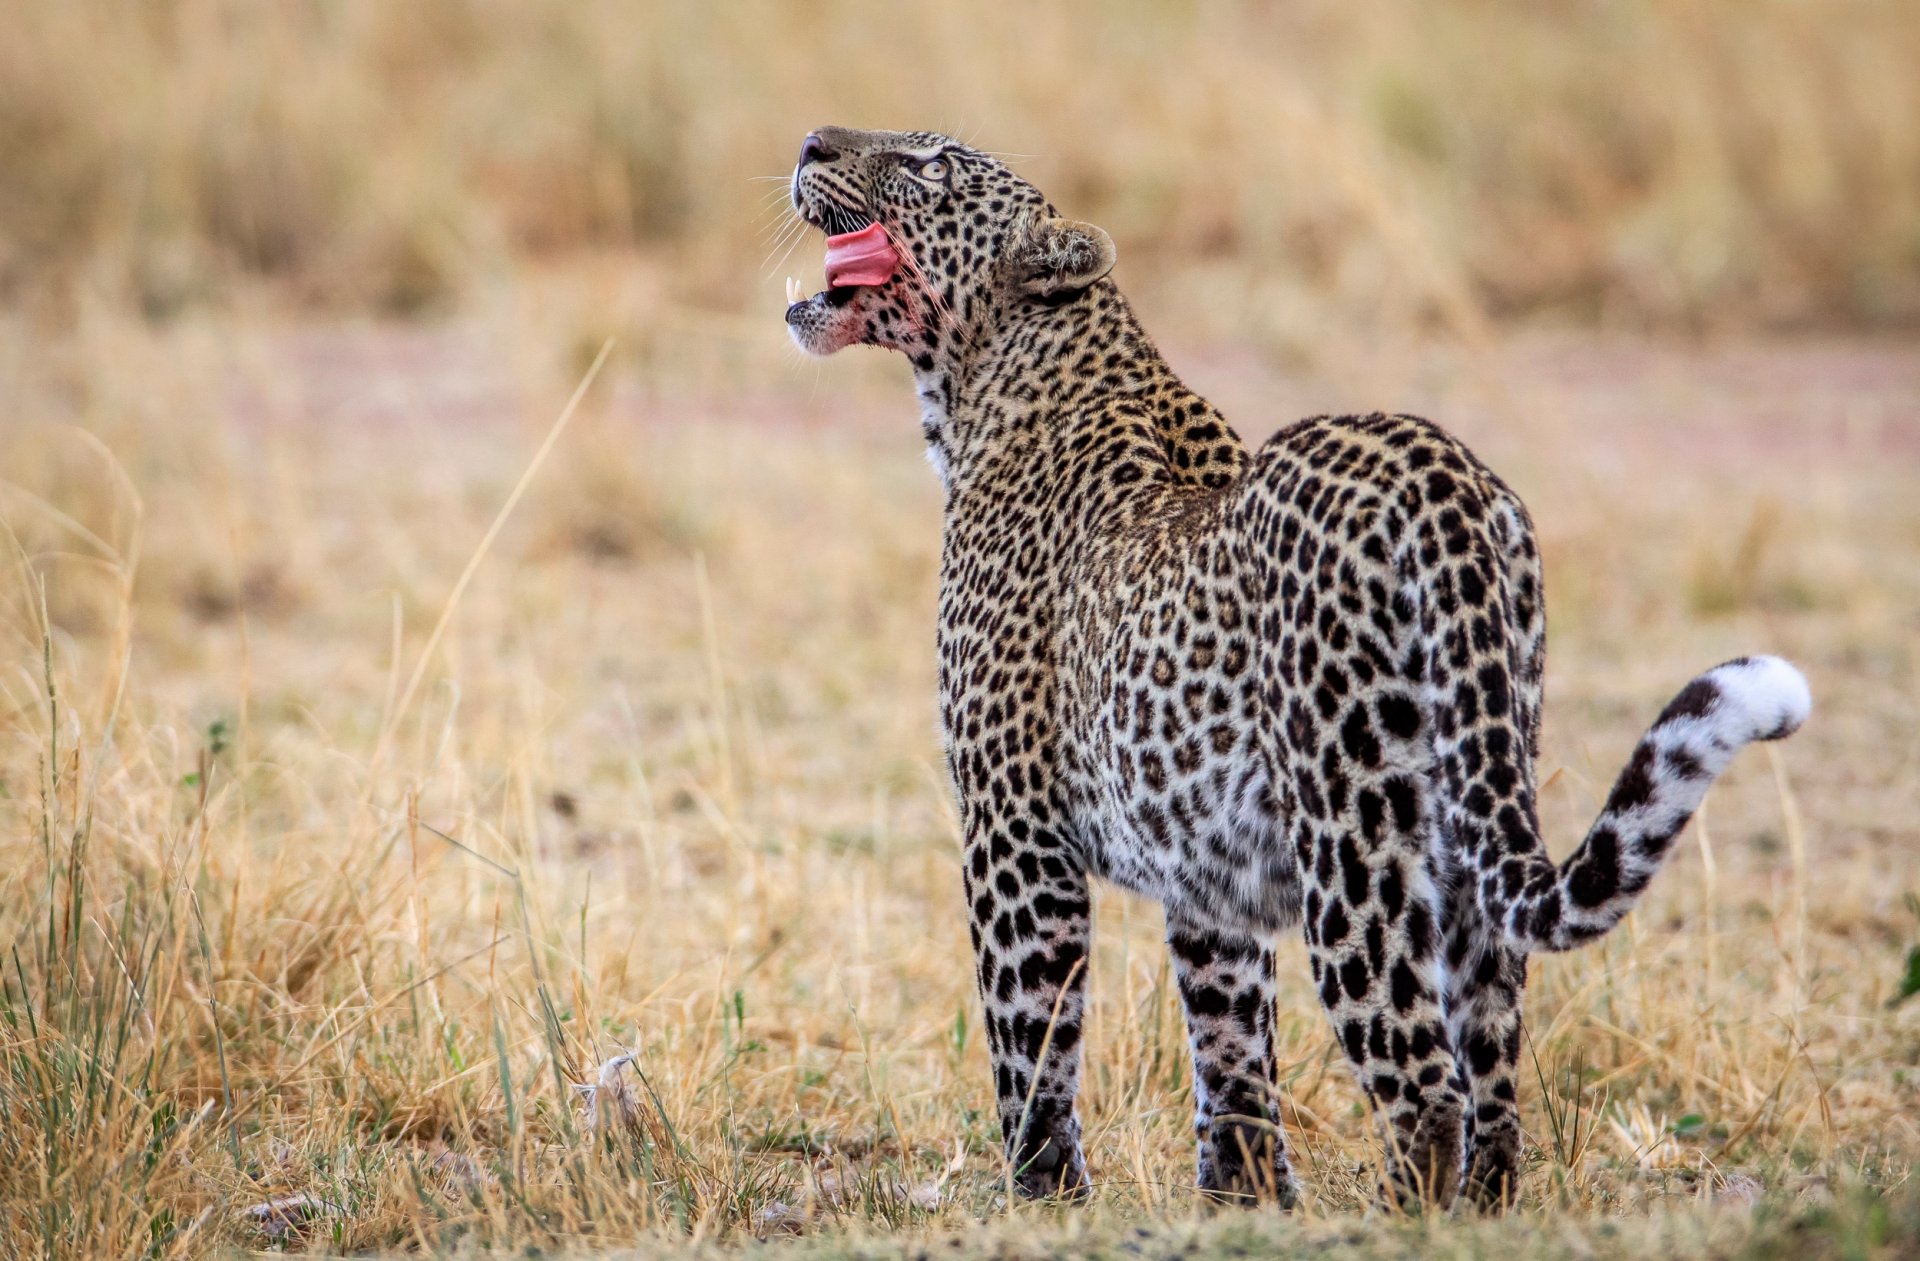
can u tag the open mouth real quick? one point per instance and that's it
(855, 260)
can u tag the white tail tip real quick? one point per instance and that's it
(1769, 695)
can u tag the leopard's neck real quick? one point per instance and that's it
(1052, 381)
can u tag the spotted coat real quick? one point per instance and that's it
(1298, 686)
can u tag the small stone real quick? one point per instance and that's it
(1739, 1188)
(284, 1215)
(778, 1218)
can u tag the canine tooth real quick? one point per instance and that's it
(793, 291)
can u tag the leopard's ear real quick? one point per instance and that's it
(1060, 257)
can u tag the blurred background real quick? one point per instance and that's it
(1708, 164)
(379, 755)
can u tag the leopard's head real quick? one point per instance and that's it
(930, 245)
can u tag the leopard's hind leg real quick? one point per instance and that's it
(1486, 976)
(1485, 980)
(1358, 752)
(1372, 938)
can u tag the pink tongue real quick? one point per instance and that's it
(865, 257)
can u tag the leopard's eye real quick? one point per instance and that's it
(933, 169)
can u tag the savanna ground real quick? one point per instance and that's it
(340, 833)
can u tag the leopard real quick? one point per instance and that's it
(1291, 687)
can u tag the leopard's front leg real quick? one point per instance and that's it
(1030, 923)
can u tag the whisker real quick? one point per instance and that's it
(774, 211)
(792, 245)
(798, 232)
(784, 245)
(774, 242)
(771, 220)
(790, 230)
(779, 226)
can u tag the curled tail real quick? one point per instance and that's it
(1543, 906)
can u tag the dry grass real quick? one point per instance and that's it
(670, 786)
(1720, 162)
(299, 952)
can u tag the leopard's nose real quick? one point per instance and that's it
(816, 149)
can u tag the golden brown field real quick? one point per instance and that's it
(340, 831)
